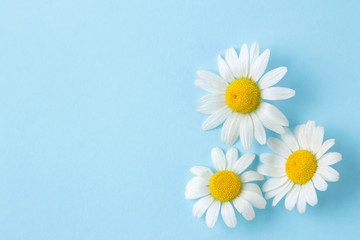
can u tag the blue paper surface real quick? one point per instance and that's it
(98, 121)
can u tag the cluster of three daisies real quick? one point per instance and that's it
(300, 162)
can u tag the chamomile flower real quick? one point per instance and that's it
(236, 96)
(225, 186)
(299, 166)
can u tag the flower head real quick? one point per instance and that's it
(299, 166)
(225, 188)
(236, 96)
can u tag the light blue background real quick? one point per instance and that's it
(98, 128)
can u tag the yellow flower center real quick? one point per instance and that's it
(243, 95)
(225, 185)
(301, 166)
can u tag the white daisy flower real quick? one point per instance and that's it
(299, 166)
(225, 186)
(235, 96)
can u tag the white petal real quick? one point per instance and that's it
(231, 157)
(279, 147)
(254, 52)
(290, 140)
(281, 194)
(328, 173)
(301, 202)
(233, 62)
(319, 182)
(325, 147)
(245, 208)
(216, 118)
(301, 137)
(329, 159)
(269, 123)
(193, 193)
(252, 187)
(310, 193)
(228, 214)
(212, 214)
(274, 183)
(246, 132)
(231, 129)
(250, 176)
(201, 171)
(243, 163)
(257, 69)
(309, 128)
(224, 70)
(197, 182)
(211, 107)
(254, 199)
(244, 61)
(307, 134)
(212, 79)
(273, 113)
(292, 197)
(213, 97)
(202, 205)
(272, 77)
(277, 93)
(209, 87)
(273, 159)
(317, 139)
(259, 130)
(218, 159)
(268, 170)
(276, 191)
(299, 134)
